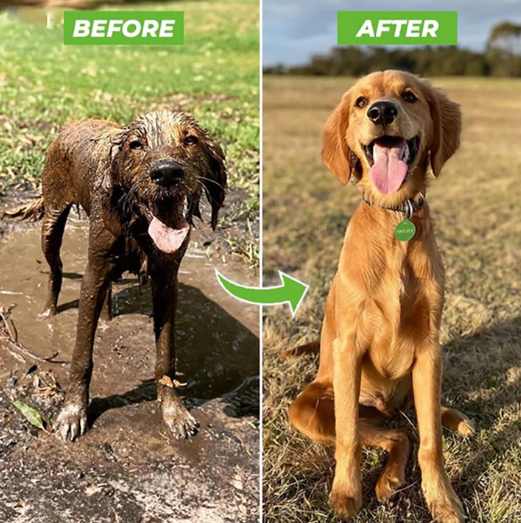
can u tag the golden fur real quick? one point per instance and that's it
(379, 346)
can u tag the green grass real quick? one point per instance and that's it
(475, 203)
(214, 76)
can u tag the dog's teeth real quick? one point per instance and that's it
(406, 153)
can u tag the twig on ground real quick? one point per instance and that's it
(13, 345)
(32, 211)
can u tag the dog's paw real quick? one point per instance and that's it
(344, 504)
(445, 506)
(457, 422)
(466, 428)
(47, 312)
(181, 423)
(71, 423)
(387, 485)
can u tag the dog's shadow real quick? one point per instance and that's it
(485, 383)
(481, 379)
(217, 356)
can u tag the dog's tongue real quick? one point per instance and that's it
(389, 170)
(168, 239)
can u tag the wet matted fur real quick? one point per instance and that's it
(141, 186)
(379, 347)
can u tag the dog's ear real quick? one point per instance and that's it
(215, 180)
(446, 119)
(335, 153)
(107, 147)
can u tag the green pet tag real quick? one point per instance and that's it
(405, 231)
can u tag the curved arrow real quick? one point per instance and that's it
(291, 291)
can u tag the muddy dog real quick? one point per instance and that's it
(380, 348)
(141, 186)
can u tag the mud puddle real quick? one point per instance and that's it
(127, 468)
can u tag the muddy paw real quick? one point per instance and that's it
(71, 423)
(47, 312)
(345, 506)
(387, 485)
(180, 422)
(446, 507)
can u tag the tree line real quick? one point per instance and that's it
(501, 57)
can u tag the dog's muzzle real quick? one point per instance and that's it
(170, 236)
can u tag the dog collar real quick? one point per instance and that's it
(408, 207)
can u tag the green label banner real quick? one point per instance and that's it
(123, 27)
(397, 27)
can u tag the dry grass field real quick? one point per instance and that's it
(477, 207)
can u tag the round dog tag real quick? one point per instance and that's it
(405, 231)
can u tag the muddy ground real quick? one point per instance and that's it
(127, 468)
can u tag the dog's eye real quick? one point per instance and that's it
(135, 144)
(191, 140)
(361, 102)
(409, 96)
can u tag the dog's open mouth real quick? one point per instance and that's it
(168, 237)
(390, 158)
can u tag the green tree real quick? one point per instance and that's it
(504, 49)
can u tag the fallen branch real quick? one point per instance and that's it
(13, 345)
(32, 211)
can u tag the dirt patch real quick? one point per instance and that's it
(127, 468)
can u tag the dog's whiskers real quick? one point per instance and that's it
(211, 181)
(206, 191)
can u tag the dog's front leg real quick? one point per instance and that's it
(72, 420)
(346, 494)
(443, 502)
(164, 294)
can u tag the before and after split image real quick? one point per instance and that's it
(260, 261)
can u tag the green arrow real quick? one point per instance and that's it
(291, 291)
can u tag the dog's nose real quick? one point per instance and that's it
(382, 113)
(166, 173)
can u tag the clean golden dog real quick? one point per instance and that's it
(379, 348)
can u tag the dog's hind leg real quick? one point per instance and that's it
(53, 227)
(313, 414)
(456, 421)
(397, 443)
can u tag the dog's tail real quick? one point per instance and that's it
(32, 211)
(308, 348)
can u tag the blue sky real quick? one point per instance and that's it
(295, 29)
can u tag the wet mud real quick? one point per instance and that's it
(127, 468)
